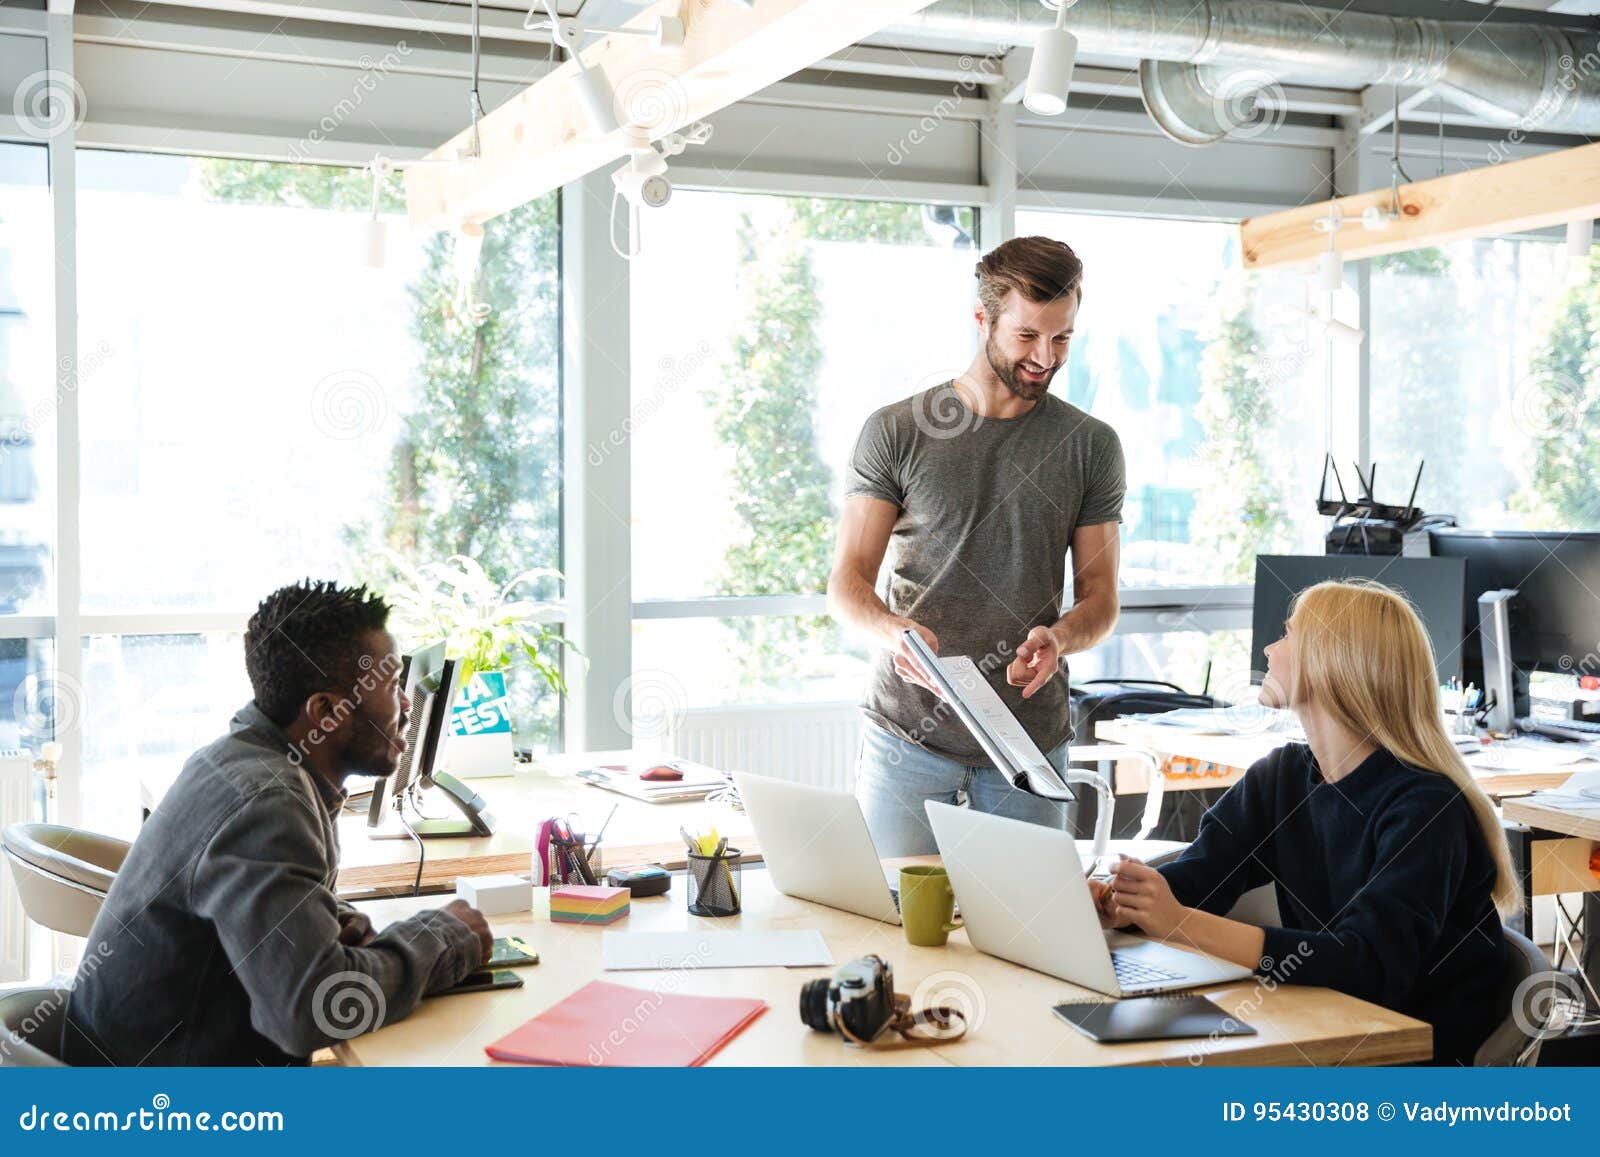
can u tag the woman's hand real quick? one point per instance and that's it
(1141, 895)
(1100, 893)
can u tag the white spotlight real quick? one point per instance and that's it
(599, 105)
(1050, 75)
(1580, 236)
(1330, 271)
(375, 231)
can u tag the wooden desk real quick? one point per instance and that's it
(1011, 1004)
(1552, 851)
(1222, 760)
(639, 833)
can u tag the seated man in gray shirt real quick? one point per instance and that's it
(221, 941)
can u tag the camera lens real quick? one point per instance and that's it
(814, 1005)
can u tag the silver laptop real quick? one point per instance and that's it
(1043, 917)
(816, 845)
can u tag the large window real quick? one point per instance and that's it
(1486, 371)
(765, 330)
(28, 395)
(28, 381)
(1214, 380)
(258, 405)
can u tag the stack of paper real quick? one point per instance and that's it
(586, 904)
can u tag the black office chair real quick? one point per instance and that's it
(1518, 1038)
(31, 1021)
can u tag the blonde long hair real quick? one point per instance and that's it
(1361, 654)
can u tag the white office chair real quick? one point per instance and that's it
(62, 874)
(31, 1022)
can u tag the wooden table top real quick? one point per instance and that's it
(1232, 756)
(1013, 1024)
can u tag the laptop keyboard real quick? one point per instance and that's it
(1135, 974)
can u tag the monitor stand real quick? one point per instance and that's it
(479, 821)
(1505, 686)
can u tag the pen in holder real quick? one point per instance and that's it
(560, 856)
(714, 883)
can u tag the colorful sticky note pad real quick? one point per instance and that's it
(588, 904)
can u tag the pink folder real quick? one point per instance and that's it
(616, 1026)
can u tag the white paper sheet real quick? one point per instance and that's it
(626, 951)
(1515, 755)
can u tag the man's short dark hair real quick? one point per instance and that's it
(1039, 268)
(307, 638)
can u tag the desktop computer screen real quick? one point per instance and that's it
(1435, 587)
(419, 676)
(1555, 617)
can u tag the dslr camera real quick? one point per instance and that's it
(857, 1001)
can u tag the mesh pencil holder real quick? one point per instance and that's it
(715, 888)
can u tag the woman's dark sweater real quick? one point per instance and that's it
(1383, 877)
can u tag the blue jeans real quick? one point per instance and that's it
(895, 778)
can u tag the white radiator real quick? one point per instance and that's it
(813, 743)
(16, 807)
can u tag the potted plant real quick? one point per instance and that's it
(486, 628)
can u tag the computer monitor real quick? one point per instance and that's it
(420, 672)
(1555, 616)
(1436, 587)
(433, 685)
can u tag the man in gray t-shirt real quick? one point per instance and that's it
(983, 485)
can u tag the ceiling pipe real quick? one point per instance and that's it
(1200, 58)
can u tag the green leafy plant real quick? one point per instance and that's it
(480, 622)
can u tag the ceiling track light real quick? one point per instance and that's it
(1050, 73)
(375, 236)
(593, 89)
(1580, 237)
(643, 182)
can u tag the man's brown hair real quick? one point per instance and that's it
(1037, 267)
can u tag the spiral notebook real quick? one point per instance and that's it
(1151, 1018)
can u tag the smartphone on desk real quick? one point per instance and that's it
(511, 952)
(484, 980)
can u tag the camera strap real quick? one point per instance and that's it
(928, 1026)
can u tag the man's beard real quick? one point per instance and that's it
(1012, 379)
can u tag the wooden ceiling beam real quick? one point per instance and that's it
(541, 139)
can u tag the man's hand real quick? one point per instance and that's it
(906, 664)
(1038, 659)
(474, 920)
(355, 929)
(1141, 895)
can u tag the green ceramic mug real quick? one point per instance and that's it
(927, 903)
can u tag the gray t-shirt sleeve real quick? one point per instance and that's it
(875, 465)
(1108, 481)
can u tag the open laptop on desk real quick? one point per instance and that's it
(1043, 917)
(816, 846)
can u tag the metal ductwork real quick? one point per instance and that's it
(1203, 62)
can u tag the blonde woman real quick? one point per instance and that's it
(1388, 861)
